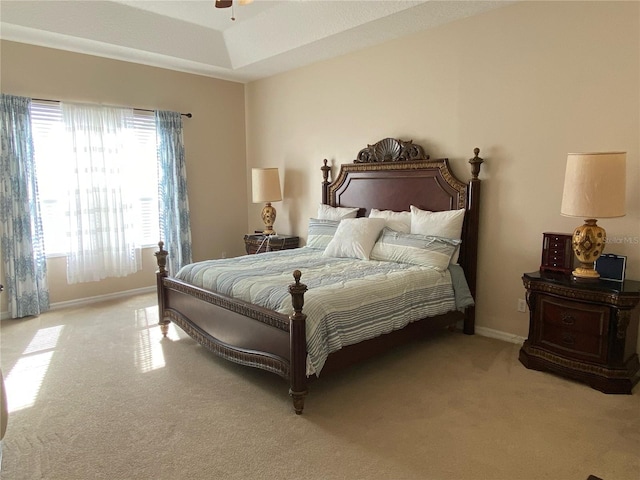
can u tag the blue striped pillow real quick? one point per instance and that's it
(320, 232)
(415, 249)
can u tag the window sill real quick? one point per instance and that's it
(58, 255)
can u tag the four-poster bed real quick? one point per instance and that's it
(390, 175)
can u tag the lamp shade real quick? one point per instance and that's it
(265, 185)
(594, 185)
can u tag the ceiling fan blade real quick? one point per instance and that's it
(223, 3)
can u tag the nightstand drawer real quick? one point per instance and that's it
(574, 328)
(581, 318)
(589, 347)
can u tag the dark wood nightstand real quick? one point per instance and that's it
(585, 331)
(259, 243)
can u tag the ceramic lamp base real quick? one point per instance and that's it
(588, 243)
(269, 218)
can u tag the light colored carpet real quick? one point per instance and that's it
(96, 393)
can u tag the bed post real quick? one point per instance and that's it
(161, 273)
(325, 182)
(298, 342)
(471, 238)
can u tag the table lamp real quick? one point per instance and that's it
(265, 184)
(594, 187)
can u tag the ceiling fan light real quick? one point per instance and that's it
(245, 2)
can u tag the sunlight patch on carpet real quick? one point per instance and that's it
(44, 339)
(149, 354)
(25, 379)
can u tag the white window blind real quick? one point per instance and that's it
(48, 132)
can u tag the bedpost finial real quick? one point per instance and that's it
(476, 162)
(297, 291)
(161, 257)
(325, 171)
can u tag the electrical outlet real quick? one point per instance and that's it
(522, 305)
(224, 255)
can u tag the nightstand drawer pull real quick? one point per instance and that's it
(567, 318)
(568, 339)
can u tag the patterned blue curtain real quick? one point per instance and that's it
(175, 226)
(22, 242)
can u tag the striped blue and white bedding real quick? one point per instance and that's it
(348, 300)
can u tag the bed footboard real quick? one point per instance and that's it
(238, 331)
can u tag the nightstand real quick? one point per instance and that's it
(259, 243)
(586, 331)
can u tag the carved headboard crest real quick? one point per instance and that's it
(391, 150)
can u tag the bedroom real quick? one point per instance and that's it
(526, 83)
(499, 81)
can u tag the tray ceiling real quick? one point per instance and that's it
(266, 37)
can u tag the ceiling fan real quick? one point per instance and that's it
(228, 3)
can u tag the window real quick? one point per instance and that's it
(48, 128)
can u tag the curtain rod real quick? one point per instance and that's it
(188, 115)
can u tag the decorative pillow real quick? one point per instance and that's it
(354, 238)
(415, 249)
(398, 221)
(327, 212)
(321, 232)
(446, 224)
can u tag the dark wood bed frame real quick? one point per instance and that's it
(388, 175)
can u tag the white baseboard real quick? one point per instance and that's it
(497, 334)
(500, 335)
(89, 300)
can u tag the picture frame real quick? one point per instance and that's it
(611, 267)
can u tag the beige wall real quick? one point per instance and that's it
(527, 83)
(214, 142)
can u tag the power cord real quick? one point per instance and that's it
(265, 239)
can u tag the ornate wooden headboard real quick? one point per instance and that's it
(394, 174)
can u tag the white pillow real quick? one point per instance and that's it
(354, 238)
(321, 232)
(398, 221)
(327, 212)
(446, 224)
(414, 249)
